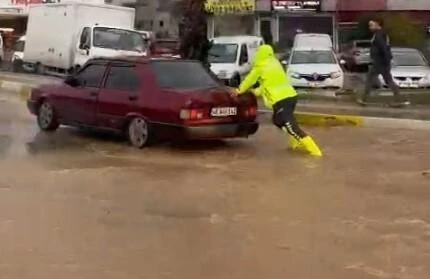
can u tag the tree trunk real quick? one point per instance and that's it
(192, 32)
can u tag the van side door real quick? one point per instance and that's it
(244, 63)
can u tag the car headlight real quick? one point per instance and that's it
(295, 75)
(335, 74)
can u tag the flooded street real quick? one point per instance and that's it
(77, 204)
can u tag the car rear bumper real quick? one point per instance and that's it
(220, 131)
(32, 106)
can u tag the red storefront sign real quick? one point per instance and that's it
(26, 2)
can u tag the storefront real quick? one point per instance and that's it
(232, 17)
(281, 19)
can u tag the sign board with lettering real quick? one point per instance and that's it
(229, 6)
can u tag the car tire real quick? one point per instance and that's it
(76, 69)
(46, 118)
(39, 69)
(139, 132)
(17, 66)
(235, 81)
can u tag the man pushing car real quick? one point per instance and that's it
(278, 95)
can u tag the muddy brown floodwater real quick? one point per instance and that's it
(86, 205)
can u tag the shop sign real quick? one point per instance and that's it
(296, 5)
(229, 6)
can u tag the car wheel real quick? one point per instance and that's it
(139, 132)
(235, 81)
(46, 117)
(39, 69)
(76, 69)
(17, 66)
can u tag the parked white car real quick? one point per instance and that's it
(231, 57)
(312, 39)
(410, 69)
(315, 67)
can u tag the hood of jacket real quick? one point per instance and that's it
(264, 53)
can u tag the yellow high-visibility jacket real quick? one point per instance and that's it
(271, 76)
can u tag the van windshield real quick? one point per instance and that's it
(313, 57)
(183, 75)
(119, 39)
(223, 53)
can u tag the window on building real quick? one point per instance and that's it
(161, 23)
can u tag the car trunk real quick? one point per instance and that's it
(218, 105)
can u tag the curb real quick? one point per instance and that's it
(319, 119)
(332, 120)
(14, 87)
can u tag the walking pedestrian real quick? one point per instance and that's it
(278, 95)
(380, 56)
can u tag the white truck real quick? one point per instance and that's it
(64, 36)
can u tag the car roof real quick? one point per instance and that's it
(312, 48)
(236, 39)
(312, 35)
(138, 59)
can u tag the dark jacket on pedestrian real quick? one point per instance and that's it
(380, 50)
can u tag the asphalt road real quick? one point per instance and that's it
(86, 205)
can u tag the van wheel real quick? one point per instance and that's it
(46, 118)
(76, 69)
(39, 69)
(139, 132)
(17, 66)
(235, 81)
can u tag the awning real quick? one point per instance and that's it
(219, 7)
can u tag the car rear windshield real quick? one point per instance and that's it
(183, 75)
(313, 57)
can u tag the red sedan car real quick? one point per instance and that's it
(146, 99)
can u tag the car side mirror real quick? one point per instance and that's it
(73, 81)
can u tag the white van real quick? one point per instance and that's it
(312, 40)
(64, 36)
(231, 57)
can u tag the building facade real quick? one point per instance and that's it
(351, 10)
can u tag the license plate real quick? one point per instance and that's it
(224, 111)
(313, 84)
(405, 84)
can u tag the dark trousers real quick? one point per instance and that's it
(372, 76)
(283, 117)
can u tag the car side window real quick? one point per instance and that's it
(91, 75)
(243, 54)
(123, 78)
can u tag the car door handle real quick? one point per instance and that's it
(94, 93)
(133, 98)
